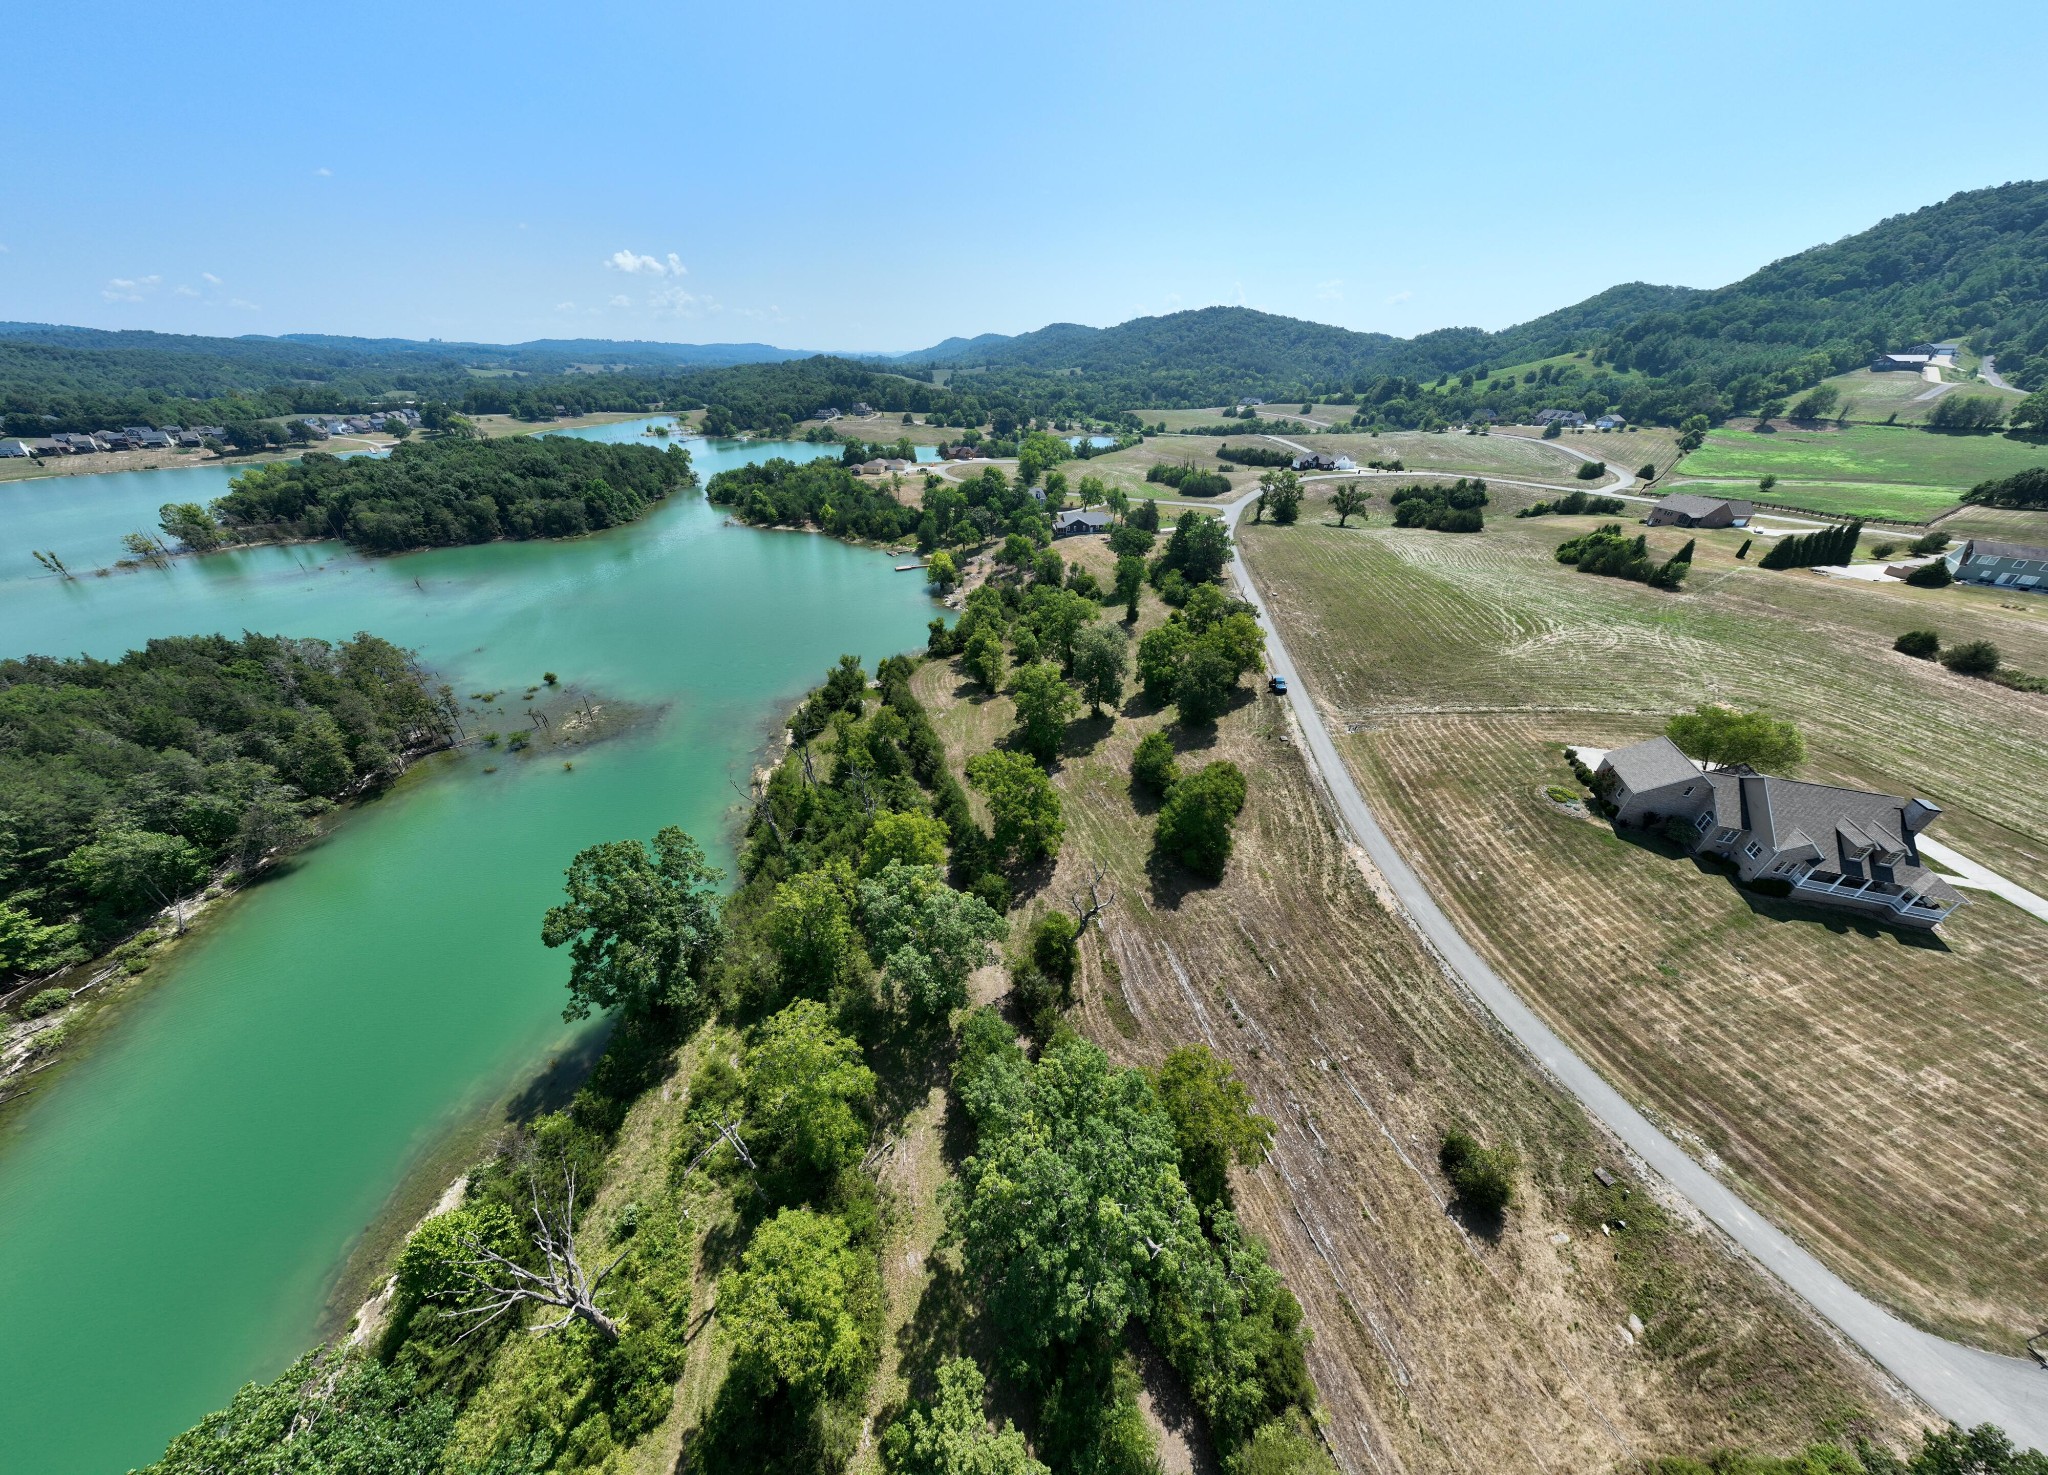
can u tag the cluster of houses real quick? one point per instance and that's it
(881, 467)
(1843, 848)
(188, 437)
(324, 426)
(1917, 358)
(127, 438)
(1574, 420)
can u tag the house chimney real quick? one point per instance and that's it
(1919, 815)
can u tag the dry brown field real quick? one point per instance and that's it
(1881, 1095)
(1437, 1346)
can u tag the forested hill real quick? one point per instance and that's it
(1973, 267)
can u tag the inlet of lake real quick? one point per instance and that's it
(176, 1204)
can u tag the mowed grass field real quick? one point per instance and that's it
(1871, 501)
(1899, 465)
(1437, 1348)
(1875, 397)
(1883, 1096)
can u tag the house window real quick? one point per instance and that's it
(1701, 823)
(1752, 850)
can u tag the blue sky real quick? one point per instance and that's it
(882, 176)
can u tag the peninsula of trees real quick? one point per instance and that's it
(125, 785)
(438, 493)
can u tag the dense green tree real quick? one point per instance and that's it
(190, 525)
(1024, 808)
(1280, 495)
(1162, 651)
(1349, 500)
(808, 1093)
(1199, 547)
(1152, 764)
(1045, 705)
(810, 928)
(983, 658)
(349, 1415)
(1070, 1195)
(1208, 677)
(1215, 1122)
(795, 1309)
(129, 870)
(928, 936)
(1130, 583)
(1193, 827)
(912, 839)
(642, 924)
(1923, 645)
(28, 946)
(1722, 737)
(1102, 654)
(951, 1435)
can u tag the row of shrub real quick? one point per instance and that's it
(1445, 507)
(1613, 554)
(1979, 658)
(1188, 479)
(1575, 503)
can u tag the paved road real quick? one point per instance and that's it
(1988, 372)
(1960, 1383)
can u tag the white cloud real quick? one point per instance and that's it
(242, 303)
(679, 303)
(565, 307)
(1400, 297)
(1330, 291)
(653, 266)
(323, 172)
(184, 291)
(622, 300)
(130, 289)
(210, 278)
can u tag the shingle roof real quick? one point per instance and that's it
(1839, 822)
(1651, 765)
(1692, 506)
(1985, 548)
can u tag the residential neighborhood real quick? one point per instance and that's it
(189, 437)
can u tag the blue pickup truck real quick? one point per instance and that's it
(1277, 685)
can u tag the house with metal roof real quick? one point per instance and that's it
(1829, 846)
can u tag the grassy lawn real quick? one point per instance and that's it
(1869, 397)
(1881, 1095)
(1869, 500)
(1891, 454)
(1437, 1347)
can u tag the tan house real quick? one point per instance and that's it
(1684, 510)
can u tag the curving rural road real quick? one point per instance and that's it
(1964, 1384)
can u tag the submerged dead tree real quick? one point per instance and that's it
(504, 1284)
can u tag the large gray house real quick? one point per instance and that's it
(2004, 565)
(1832, 847)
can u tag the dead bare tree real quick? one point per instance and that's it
(1089, 908)
(505, 1284)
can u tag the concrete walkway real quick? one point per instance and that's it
(1983, 878)
(1961, 1383)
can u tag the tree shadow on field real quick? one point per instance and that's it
(1789, 910)
(1085, 733)
(1480, 1221)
